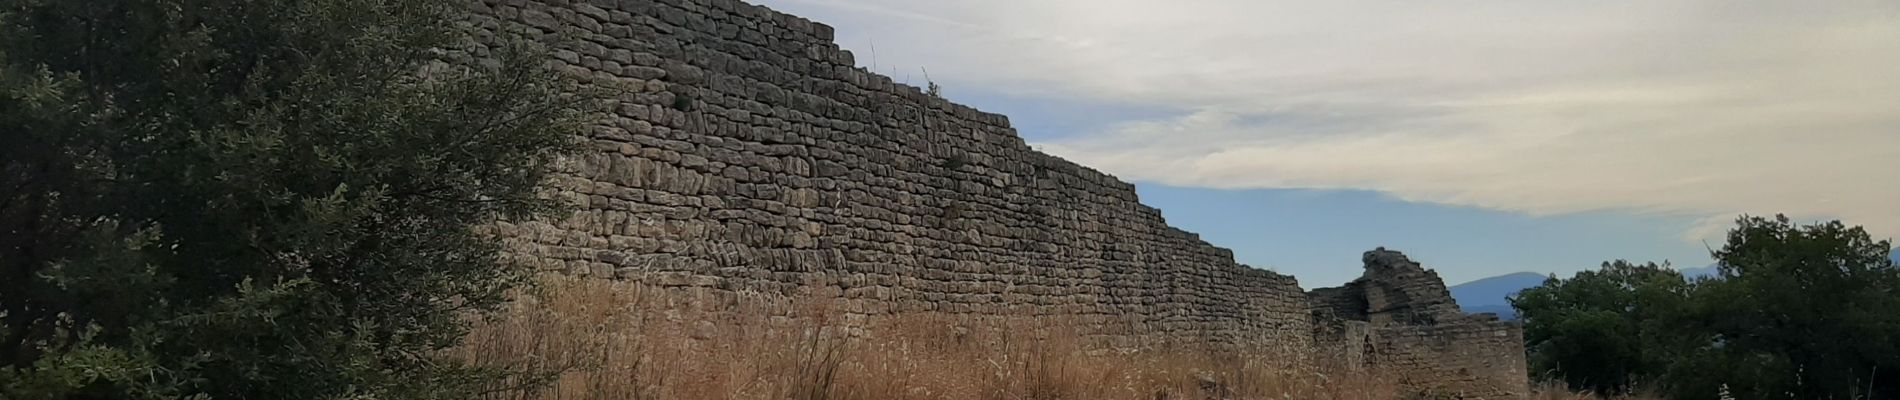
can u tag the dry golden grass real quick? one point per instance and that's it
(610, 340)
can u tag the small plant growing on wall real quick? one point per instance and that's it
(932, 88)
(682, 102)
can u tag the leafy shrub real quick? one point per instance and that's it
(272, 199)
(1797, 311)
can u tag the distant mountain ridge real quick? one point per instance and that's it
(1489, 295)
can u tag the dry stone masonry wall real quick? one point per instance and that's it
(752, 159)
(756, 158)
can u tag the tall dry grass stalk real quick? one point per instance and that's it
(609, 340)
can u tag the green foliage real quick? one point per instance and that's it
(682, 102)
(258, 199)
(1798, 311)
(1601, 330)
(1807, 310)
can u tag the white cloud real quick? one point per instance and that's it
(1701, 108)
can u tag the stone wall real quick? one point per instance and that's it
(753, 161)
(757, 159)
(1399, 317)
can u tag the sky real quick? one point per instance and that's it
(1480, 137)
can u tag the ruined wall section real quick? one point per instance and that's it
(1478, 358)
(1409, 325)
(754, 159)
(1399, 291)
(1341, 303)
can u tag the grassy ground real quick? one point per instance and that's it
(609, 340)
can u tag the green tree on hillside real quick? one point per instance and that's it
(265, 199)
(1604, 330)
(1811, 311)
(1797, 311)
